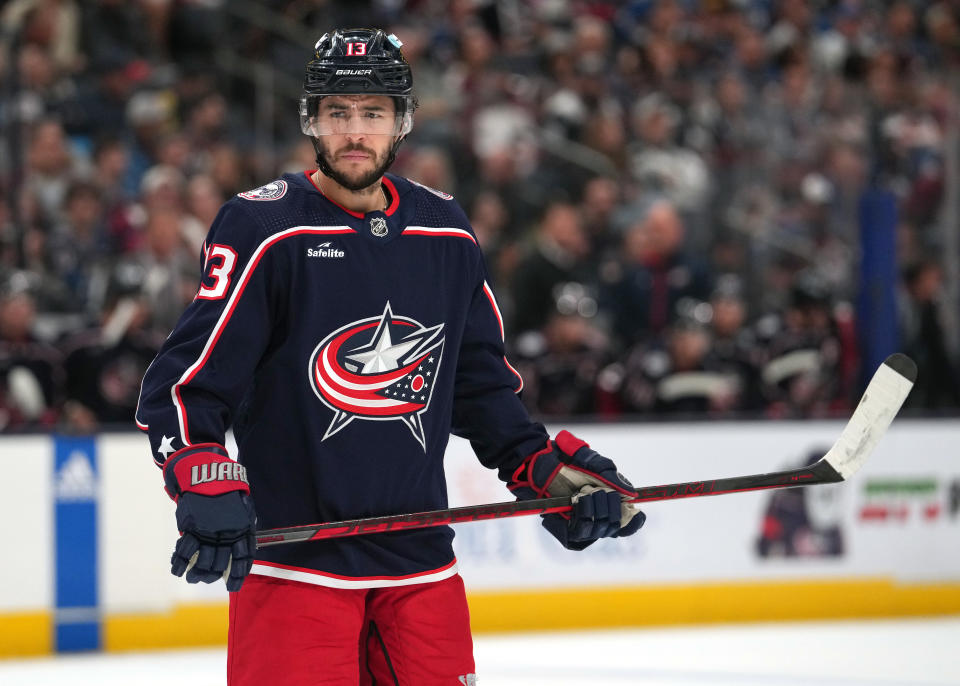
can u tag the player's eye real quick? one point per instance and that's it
(374, 115)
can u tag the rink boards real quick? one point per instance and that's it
(89, 533)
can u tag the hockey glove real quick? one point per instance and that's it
(215, 515)
(568, 466)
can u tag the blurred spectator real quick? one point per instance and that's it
(659, 164)
(431, 167)
(677, 375)
(226, 168)
(110, 160)
(52, 25)
(80, 244)
(606, 134)
(752, 58)
(203, 202)
(803, 372)
(175, 150)
(104, 364)
(942, 23)
(499, 172)
(654, 273)
(43, 91)
(736, 133)
(100, 105)
(490, 221)
(206, 124)
(49, 170)
(164, 188)
(601, 196)
(300, 157)
(924, 340)
(560, 364)
(488, 218)
(558, 256)
(114, 25)
(150, 116)
(189, 29)
(734, 348)
(170, 272)
(30, 369)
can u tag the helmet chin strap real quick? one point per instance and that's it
(330, 172)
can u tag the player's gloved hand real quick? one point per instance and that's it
(215, 515)
(568, 466)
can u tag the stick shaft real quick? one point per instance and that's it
(819, 473)
(881, 401)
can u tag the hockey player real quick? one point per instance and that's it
(344, 328)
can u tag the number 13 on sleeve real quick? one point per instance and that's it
(218, 267)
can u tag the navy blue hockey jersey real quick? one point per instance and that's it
(343, 349)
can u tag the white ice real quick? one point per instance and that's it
(922, 652)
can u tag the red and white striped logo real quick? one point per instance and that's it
(380, 368)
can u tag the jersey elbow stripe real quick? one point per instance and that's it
(496, 311)
(136, 412)
(515, 373)
(228, 310)
(450, 232)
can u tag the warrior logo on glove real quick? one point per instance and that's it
(379, 368)
(217, 471)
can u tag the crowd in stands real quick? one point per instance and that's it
(666, 191)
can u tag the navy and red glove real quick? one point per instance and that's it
(567, 466)
(215, 515)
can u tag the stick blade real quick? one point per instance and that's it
(885, 395)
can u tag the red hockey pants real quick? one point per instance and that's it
(287, 633)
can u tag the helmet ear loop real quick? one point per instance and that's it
(405, 129)
(394, 148)
(321, 162)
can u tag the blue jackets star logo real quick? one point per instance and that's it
(380, 369)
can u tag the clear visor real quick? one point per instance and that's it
(327, 115)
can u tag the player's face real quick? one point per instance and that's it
(360, 137)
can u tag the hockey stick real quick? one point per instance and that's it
(880, 403)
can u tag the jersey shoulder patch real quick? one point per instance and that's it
(439, 194)
(272, 191)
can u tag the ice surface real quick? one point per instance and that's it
(863, 653)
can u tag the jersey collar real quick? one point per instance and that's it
(388, 186)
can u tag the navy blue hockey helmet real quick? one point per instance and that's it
(357, 62)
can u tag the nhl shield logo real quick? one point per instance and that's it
(380, 369)
(378, 227)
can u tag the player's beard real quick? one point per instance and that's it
(357, 183)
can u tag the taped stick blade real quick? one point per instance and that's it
(903, 365)
(885, 395)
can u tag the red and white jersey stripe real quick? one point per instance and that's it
(496, 310)
(438, 232)
(311, 576)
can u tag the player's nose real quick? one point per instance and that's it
(355, 131)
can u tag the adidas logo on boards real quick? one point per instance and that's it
(326, 252)
(75, 480)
